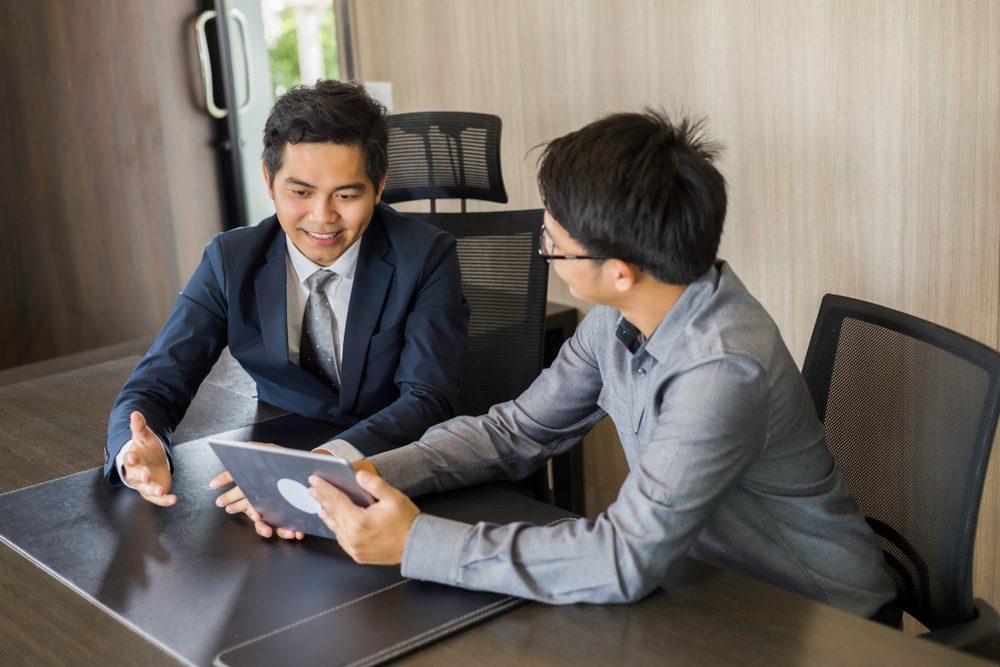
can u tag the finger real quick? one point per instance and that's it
(137, 475)
(220, 480)
(137, 424)
(131, 459)
(264, 444)
(263, 529)
(161, 500)
(286, 533)
(151, 489)
(253, 514)
(333, 501)
(375, 485)
(239, 506)
(231, 496)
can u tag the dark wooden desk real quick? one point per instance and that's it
(55, 425)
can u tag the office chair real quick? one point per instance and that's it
(444, 155)
(456, 155)
(910, 410)
(506, 283)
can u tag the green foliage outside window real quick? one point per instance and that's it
(284, 54)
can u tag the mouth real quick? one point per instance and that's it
(323, 239)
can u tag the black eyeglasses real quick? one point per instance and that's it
(546, 245)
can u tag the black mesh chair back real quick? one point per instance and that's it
(910, 410)
(444, 155)
(505, 282)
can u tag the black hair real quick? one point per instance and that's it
(640, 188)
(329, 112)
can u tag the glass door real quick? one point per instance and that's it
(272, 45)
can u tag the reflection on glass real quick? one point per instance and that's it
(301, 42)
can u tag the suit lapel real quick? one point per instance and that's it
(371, 284)
(270, 285)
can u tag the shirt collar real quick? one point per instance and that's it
(630, 336)
(305, 267)
(672, 325)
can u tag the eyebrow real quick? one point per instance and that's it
(291, 180)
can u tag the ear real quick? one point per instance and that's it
(267, 180)
(623, 275)
(378, 190)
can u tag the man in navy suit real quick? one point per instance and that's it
(393, 317)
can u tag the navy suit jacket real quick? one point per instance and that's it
(403, 341)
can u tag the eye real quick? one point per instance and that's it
(344, 196)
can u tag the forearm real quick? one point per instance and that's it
(506, 443)
(162, 385)
(689, 464)
(569, 562)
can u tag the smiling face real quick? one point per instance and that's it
(323, 198)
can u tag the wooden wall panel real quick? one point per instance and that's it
(91, 143)
(863, 139)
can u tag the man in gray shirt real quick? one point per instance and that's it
(726, 455)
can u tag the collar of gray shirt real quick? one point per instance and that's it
(671, 326)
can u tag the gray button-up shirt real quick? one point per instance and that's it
(726, 461)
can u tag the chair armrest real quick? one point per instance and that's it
(985, 624)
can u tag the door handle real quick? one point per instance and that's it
(206, 62)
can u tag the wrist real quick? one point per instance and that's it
(367, 466)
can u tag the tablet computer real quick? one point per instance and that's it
(276, 482)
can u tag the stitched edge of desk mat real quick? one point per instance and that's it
(275, 643)
(397, 649)
(120, 513)
(434, 634)
(406, 645)
(94, 601)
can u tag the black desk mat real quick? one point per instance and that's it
(204, 587)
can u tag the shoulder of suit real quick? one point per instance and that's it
(247, 239)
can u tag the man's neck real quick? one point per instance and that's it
(649, 304)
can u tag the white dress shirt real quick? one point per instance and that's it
(298, 268)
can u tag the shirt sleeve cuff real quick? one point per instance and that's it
(401, 468)
(434, 549)
(343, 449)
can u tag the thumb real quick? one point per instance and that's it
(137, 423)
(375, 485)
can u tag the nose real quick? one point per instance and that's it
(323, 210)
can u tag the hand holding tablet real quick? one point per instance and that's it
(275, 482)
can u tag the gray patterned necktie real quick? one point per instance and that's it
(320, 340)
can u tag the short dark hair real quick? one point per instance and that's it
(640, 188)
(329, 112)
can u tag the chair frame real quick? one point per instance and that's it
(818, 373)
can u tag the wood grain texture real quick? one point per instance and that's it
(73, 424)
(705, 617)
(863, 138)
(107, 176)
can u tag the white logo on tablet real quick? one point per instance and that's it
(297, 495)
